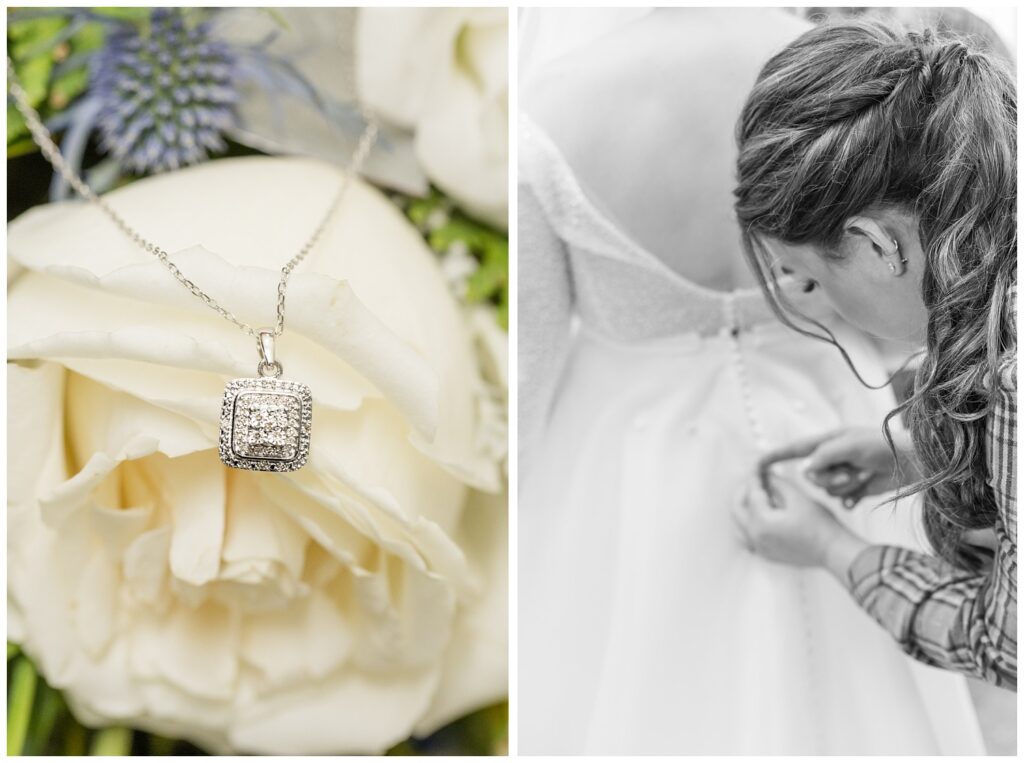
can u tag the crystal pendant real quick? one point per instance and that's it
(265, 422)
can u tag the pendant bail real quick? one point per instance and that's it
(268, 365)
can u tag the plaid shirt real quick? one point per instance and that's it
(939, 614)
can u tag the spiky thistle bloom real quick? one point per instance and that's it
(166, 93)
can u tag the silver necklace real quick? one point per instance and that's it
(265, 421)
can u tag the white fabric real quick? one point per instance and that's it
(645, 627)
(546, 34)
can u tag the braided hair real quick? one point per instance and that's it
(862, 115)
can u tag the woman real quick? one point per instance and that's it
(880, 168)
(653, 375)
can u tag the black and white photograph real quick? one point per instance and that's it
(766, 327)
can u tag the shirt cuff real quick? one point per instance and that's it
(881, 593)
(865, 572)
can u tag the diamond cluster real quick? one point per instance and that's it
(265, 424)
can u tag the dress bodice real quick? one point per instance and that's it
(620, 289)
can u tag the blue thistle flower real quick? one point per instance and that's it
(165, 97)
(163, 93)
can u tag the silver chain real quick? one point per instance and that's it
(52, 153)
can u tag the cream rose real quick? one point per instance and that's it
(443, 73)
(337, 609)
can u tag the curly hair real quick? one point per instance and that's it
(861, 116)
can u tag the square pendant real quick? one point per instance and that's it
(265, 424)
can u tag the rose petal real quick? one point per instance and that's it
(151, 576)
(370, 713)
(462, 144)
(194, 650)
(193, 486)
(325, 640)
(94, 604)
(146, 565)
(122, 426)
(264, 550)
(34, 426)
(475, 671)
(164, 359)
(398, 53)
(343, 524)
(118, 528)
(404, 616)
(207, 195)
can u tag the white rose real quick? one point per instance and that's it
(337, 609)
(443, 73)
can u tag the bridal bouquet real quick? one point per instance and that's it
(157, 600)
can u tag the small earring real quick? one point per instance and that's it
(900, 269)
(902, 263)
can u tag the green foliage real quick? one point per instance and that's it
(38, 45)
(33, 68)
(21, 694)
(484, 732)
(445, 227)
(111, 741)
(123, 13)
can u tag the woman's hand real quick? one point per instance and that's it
(792, 529)
(850, 463)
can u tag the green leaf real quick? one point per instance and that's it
(419, 209)
(33, 70)
(89, 37)
(160, 746)
(21, 147)
(16, 127)
(278, 18)
(485, 283)
(112, 741)
(71, 83)
(489, 283)
(26, 34)
(20, 698)
(48, 708)
(67, 86)
(12, 650)
(36, 52)
(123, 13)
(75, 739)
(34, 75)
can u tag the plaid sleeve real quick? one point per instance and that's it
(948, 617)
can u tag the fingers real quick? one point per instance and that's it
(749, 503)
(842, 481)
(739, 516)
(758, 506)
(794, 450)
(742, 534)
(837, 450)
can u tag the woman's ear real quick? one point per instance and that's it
(882, 239)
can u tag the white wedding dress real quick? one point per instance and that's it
(644, 625)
